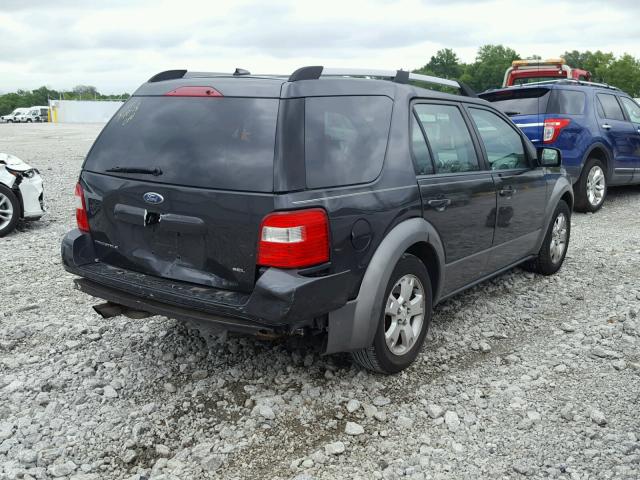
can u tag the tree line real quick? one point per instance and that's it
(487, 71)
(491, 62)
(40, 96)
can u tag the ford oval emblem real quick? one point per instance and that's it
(153, 198)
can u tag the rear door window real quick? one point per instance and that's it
(226, 143)
(609, 107)
(345, 139)
(501, 142)
(567, 102)
(449, 138)
(632, 108)
(526, 101)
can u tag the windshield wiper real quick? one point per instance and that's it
(511, 113)
(145, 171)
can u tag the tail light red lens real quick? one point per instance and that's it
(193, 92)
(553, 127)
(81, 210)
(294, 239)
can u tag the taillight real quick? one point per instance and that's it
(193, 92)
(81, 210)
(294, 239)
(553, 127)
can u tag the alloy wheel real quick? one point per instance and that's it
(596, 183)
(6, 211)
(404, 314)
(558, 238)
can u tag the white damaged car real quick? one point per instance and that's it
(21, 193)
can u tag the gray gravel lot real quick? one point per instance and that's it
(523, 376)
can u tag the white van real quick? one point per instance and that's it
(12, 117)
(34, 114)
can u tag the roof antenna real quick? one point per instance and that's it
(241, 71)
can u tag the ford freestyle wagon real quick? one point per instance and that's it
(345, 203)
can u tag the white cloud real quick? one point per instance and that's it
(117, 45)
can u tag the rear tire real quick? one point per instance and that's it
(591, 187)
(556, 243)
(9, 210)
(403, 322)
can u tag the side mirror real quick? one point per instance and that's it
(549, 157)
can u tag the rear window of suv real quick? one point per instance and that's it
(525, 101)
(345, 139)
(226, 143)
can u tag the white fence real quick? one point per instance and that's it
(82, 111)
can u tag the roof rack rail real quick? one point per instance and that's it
(167, 75)
(398, 76)
(568, 81)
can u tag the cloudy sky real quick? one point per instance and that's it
(118, 44)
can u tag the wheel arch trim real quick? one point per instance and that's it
(353, 326)
(607, 160)
(560, 189)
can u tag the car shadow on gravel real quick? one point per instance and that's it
(221, 352)
(623, 192)
(26, 227)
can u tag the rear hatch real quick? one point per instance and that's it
(525, 105)
(176, 186)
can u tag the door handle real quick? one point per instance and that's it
(606, 126)
(439, 204)
(507, 192)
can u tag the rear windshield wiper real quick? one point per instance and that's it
(511, 113)
(145, 171)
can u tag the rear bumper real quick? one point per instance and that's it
(282, 300)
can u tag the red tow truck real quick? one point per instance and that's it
(526, 71)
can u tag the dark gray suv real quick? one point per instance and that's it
(335, 202)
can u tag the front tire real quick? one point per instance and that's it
(404, 320)
(591, 187)
(556, 242)
(9, 210)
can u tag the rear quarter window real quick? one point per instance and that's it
(345, 139)
(567, 102)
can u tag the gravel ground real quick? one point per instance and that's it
(522, 376)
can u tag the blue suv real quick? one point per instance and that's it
(596, 126)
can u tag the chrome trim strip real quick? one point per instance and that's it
(540, 124)
(319, 199)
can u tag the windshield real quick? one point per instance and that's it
(225, 143)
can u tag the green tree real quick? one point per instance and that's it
(490, 66)
(87, 91)
(595, 62)
(41, 96)
(623, 73)
(445, 63)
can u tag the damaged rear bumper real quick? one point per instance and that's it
(282, 300)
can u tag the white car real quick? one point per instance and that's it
(21, 193)
(13, 116)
